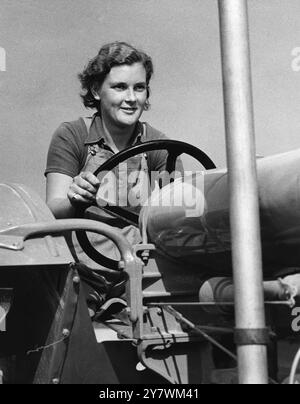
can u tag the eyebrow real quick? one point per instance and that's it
(125, 83)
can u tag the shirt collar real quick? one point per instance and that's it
(96, 133)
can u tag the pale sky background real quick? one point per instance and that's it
(48, 42)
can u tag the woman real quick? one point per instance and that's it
(116, 84)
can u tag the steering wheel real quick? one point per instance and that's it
(175, 149)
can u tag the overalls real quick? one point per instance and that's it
(135, 169)
(100, 283)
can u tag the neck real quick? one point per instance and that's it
(120, 136)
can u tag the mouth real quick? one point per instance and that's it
(129, 110)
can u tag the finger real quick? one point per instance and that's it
(91, 178)
(78, 200)
(83, 193)
(84, 184)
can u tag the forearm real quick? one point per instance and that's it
(65, 194)
(61, 208)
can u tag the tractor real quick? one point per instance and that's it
(212, 293)
(175, 322)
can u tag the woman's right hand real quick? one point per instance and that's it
(83, 189)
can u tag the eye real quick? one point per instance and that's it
(140, 87)
(119, 87)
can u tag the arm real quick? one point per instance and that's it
(57, 187)
(61, 189)
(65, 181)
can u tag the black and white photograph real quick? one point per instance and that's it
(149, 195)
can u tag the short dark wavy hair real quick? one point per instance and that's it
(110, 55)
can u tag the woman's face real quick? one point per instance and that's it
(123, 95)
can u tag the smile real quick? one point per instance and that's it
(129, 110)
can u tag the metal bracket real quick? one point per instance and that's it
(251, 336)
(289, 292)
(142, 251)
(171, 357)
(15, 243)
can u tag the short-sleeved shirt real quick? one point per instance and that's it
(69, 146)
(68, 154)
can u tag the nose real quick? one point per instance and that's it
(130, 95)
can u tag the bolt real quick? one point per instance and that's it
(17, 246)
(55, 381)
(159, 312)
(65, 333)
(121, 265)
(76, 279)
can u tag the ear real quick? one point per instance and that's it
(95, 93)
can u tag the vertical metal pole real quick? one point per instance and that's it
(244, 208)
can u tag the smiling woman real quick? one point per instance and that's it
(116, 84)
(124, 96)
